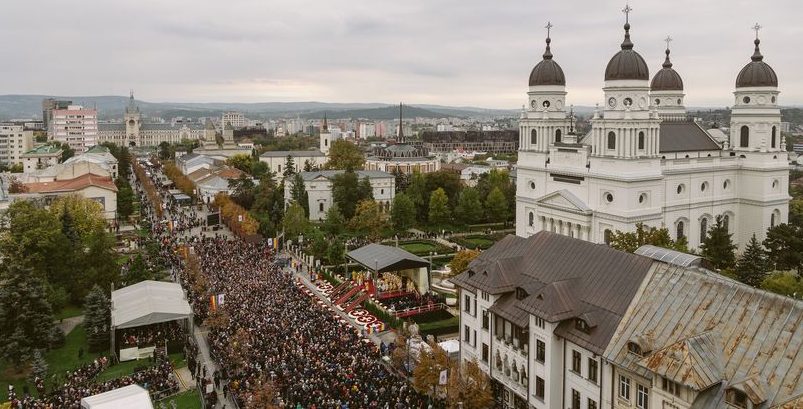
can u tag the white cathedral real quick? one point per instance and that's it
(645, 161)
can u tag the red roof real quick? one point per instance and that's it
(72, 185)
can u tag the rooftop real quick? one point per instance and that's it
(72, 185)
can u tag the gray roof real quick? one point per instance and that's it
(712, 333)
(158, 127)
(284, 154)
(386, 258)
(563, 278)
(329, 174)
(685, 136)
(673, 257)
(111, 127)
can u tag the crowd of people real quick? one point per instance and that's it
(150, 335)
(413, 300)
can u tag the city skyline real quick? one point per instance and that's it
(476, 54)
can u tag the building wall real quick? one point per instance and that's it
(77, 126)
(277, 164)
(14, 141)
(319, 192)
(405, 166)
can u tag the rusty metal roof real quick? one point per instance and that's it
(691, 314)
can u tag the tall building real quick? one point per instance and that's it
(76, 126)
(15, 140)
(643, 161)
(236, 119)
(134, 132)
(50, 104)
(401, 156)
(325, 138)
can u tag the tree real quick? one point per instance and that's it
(125, 198)
(448, 181)
(496, 206)
(25, 315)
(66, 151)
(263, 395)
(461, 260)
(364, 189)
(752, 266)
(166, 151)
(431, 362)
(38, 366)
(439, 213)
(368, 221)
(401, 179)
(336, 254)
(345, 155)
(784, 284)
(289, 167)
(402, 214)
(258, 168)
(784, 244)
(16, 186)
(298, 193)
(242, 191)
(334, 224)
(295, 220)
(418, 193)
(469, 207)
(346, 192)
(718, 247)
(241, 161)
(97, 319)
(469, 387)
(630, 241)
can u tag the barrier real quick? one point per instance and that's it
(419, 310)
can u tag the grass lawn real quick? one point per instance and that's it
(481, 242)
(419, 247)
(447, 326)
(431, 317)
(185, 400)
(68, 312)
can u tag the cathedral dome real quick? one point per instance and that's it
(757, 73)
(627, 64)
(667, 79)
(547, 72)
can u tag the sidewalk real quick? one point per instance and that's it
(204, 359)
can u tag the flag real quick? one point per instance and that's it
(220, 299)
(213, 303)
(442, 378)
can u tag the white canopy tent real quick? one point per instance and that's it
(127, 397)
(148, 302)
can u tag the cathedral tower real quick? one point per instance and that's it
(666, 91)
(326, 137)
(133, 120)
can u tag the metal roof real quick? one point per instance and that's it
(381, 258)
(758, 334)
(370, 174)
(148, 302)
(284, 154)
(685, 136)
(673, 257)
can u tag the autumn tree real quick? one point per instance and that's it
(469, 387)
(368, 221)
(263, 395)
(630, 241)
(461, 260)
(345, 155)
(431, 361)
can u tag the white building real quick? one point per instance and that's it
(99, 155)
(277, 160)
(14, 141)
(76, 126)
(41, 157)
(134, 132)
(644, 162)
(319, 189)
(367, 130)
(236, 119)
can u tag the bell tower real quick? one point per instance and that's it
(326, 137)
(133, 120)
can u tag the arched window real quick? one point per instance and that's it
(744, 136)
(681, 231)
(607, 236)
(641, 140)
(774, 217)
(726, 221)
(611, 140)
(558, 135)
(703, 229)
(773, 143)
(533, 137)
(532, 219)
(320, 207)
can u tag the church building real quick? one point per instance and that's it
(645, 161)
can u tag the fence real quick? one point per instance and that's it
(420, 310)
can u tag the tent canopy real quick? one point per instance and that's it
(382, 258)
(127, 397)
(148, 302)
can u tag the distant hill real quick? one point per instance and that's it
(383, 113)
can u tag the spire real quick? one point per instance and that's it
(325, 124)
(571, 119)
(667, 63)
(548, 52)
(401, 128)
(627, 44)
(757, 53)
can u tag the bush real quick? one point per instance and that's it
(57, 337)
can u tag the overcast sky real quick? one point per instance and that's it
(450, 52)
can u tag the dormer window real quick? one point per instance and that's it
(521, 293)
(634, 348)
(736, 398)
(581, 325)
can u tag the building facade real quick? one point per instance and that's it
(15, 140)
(76, 126)
(236, 119)
(134, 132)
(467, 141)
(319, 189)
(644, 162)
(41, 157)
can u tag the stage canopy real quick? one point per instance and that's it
(386, 258)
(148, 302)
(127, 397)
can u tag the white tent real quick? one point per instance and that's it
(127, 397)
(148, 302)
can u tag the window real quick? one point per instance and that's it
(642, 198)
(485, 320)
(581, 325)
(592, 404)
(611, 140)
(726, 184)
(746, 100)
(670, 387)
(609, 197)
(607, 236)
(772, 140)
(642, 397)
(466, 334)
(703, 229)
(467, 304)
(474, 343)
(736, 398)
(533, 137)
(576, 361)
(726, 221)
(485, 352)
(680, 230)
(381, 191)
(592, 370)
(320, 207)
(772, 220)
(744, 137)
(531, 219)
(634, 348)
(539, 388)
(540, 351)
(558, 135)
(681, 188)
(641, 140)
(624, 387)
(520, 293)
(575, 399)
(703, 186)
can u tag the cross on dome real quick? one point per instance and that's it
(548, 26)
(667, 40)
(757, 28)
(627, 11)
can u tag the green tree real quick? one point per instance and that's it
(345, 155)
(298, 193)
(346, 192)
(137, 271)
(125, 198)
(751, 268)
(368, 221)
(439, 213)
(401, 180)
(418, 193)
(25, 315)
(469, 207)
(334, 224)
(295, 221)
(784, 244)
(784, 284)
(496, 206)
(336, 254)
(315, 243)
(630, 241)
(66, 151)
(402, 214)
(289, 167)
(97, 319)
(38, 366)
(243, 191)
(364, 189)
(166, 151)
(258, 169)
(448, 181)
(241, 161)
(718, 248)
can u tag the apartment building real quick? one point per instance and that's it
(77, 126)
(15, 140)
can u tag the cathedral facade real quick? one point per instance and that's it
(644, 161)
(134, 132)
